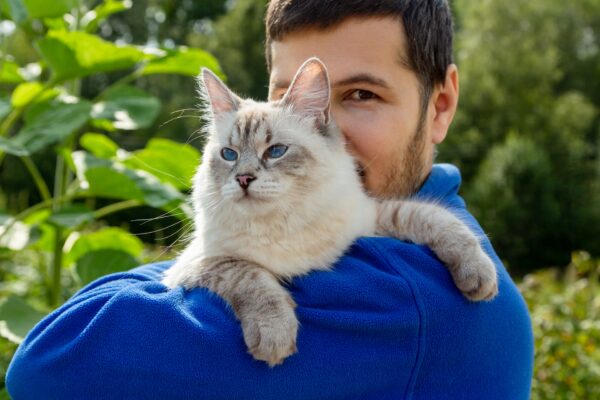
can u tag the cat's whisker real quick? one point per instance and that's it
(197, 134)
(167, 214)
(176, 118)
(170, 247)
(158, 230)
(183, 228)
(150, 167)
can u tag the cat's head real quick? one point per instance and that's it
(262, 155)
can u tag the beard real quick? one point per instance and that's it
(410, 167)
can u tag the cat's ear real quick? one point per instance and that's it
(217, 94)
(309, 93)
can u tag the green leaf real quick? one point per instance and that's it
(21, 10)
(46, 124)
(25, 92)
(183, 61)
(4, 107)
(16, 9)
(98, 263)
(13, 148)
(56, 24)
(112, 179)
(127, 108)
(10, 73)
(93, 18)
(171, 162)
(48, 9)
(99, 145)
(107, 238)
(4, 394)
(72, 216)
(17, 318)
(79, 54)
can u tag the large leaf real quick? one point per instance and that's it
(10, 72)
(29, 92)
(17, 318)
(107, 238)
(95, 264)
(15, 9)
(72, 216)
(93, 18)
(49, 9)
(79, 54)
(99, 145)
(182, 61)
(112, 179)
(46, 124)
(21, 10)
(171, 162)
(25, 92)
(127, 108)
(4, 107)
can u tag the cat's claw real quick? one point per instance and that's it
(271, 340)
(476, 278)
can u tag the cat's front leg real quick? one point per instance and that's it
(474, 273)
(264, 308)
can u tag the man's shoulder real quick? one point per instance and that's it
(452, 332)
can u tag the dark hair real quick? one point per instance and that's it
(427, 24)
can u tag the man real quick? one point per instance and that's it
(387, 323)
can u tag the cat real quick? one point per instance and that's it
(277, 196)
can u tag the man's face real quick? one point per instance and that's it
(375, 100)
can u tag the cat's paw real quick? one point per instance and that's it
(476, 277)
(271, 338)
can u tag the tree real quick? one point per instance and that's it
(237, 40)
(529, 114)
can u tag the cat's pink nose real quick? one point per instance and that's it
(244, 180)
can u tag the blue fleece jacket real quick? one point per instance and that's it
(386, 323)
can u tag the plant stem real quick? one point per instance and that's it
(55, 285)
(27, 212)
(59, 242)
(115, 207)
(37, 177)
(9, 121)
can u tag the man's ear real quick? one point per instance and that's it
(221, 100)
(445, 101)
(309, 93)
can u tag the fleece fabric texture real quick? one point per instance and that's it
(386, 323)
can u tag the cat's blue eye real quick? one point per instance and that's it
(276, 151)
(229, 154)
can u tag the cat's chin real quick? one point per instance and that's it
(249, 203)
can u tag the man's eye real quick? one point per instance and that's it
(362, 95)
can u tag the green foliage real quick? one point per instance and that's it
(527, 129)
(237, 39)
(565, 315)
(62, 242)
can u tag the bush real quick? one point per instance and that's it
(565, 311)
(58, 239)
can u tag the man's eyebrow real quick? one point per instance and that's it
(362, 78)
(351, 80)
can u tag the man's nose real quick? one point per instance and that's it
(244, 180)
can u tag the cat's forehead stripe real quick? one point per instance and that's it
(251, 123)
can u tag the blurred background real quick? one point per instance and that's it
(75, 192)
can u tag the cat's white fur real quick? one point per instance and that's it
(292, 234)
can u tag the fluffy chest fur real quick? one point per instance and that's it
(294, 237)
